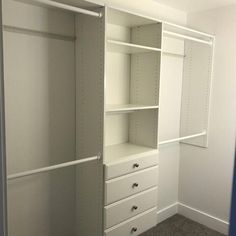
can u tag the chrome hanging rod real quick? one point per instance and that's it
(51, 168)
(183, 138)
(66, 7)
(189, 29)
(187, 37)
(19, 30)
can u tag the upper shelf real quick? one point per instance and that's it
(127, 108)
(128, 19)
(129, 48)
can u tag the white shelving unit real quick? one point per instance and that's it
(133, 61)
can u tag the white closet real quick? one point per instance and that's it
(82, 109)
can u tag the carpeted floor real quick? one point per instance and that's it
(181, 226)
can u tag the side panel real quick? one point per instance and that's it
(3, 217)
(90, 50)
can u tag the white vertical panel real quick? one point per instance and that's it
(145, 78)
(118, 78)
(148, 35)
(196, 91)
(169, 121)
(90, 69)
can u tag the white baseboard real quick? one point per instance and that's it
(195, 215)
(203, 218)
(167, 212)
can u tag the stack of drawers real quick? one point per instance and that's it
(131, 196)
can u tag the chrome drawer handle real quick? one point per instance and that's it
(134, 229)
(135, 185)
(136, 165)
(134, 208)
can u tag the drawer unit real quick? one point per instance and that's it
(129, 207)
(130, 166)
(122, 187)
(134, 226)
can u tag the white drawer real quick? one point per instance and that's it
(122, 187)
(129, 207)
(130, 166)
(136, 225)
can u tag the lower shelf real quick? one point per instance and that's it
(126, 151)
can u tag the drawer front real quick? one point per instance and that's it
(122, 187)
(130, 207)
(135, 226)
(131, 166)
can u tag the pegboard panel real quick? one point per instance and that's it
(90, 57)
(143, 128)
(148, 35)
(117, 78)
(196, 88)
(145, 78)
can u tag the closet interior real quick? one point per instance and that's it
(82, 109)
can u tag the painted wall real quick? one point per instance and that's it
(206, 174)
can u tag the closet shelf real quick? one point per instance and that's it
(126, 151)
(117, 108)
(129, 48)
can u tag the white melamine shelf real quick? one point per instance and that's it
(127, 108)
(126, 151)
(129, 48)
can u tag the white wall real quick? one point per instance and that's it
(206, 174)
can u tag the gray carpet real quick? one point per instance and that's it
(180, 226)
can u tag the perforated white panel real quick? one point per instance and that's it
(196, 91)
(148, 35)
(143, 128)
(145, 78)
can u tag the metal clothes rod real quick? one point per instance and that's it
(38, 33)
(68, 7)
(50, 168)
(189, 29)
(187, 37)
(182, 138)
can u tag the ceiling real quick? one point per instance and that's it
(196, 5)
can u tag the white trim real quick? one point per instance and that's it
(203, 218)
(167, 212)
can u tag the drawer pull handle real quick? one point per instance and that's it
(135, 185)
(134, 229)
(134, 208)
(136, 165)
